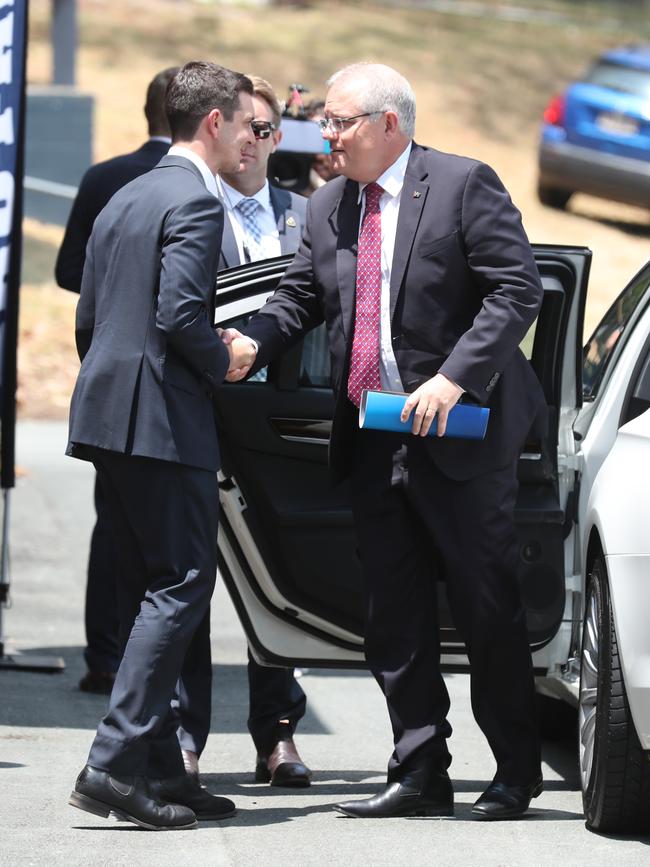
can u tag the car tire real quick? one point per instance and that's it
(553, 197)
(614, 770)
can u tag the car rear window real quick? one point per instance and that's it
(624, 79)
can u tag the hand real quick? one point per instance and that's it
(242, 351)
(434, 397)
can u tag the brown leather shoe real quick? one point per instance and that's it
(98, 682)
(191, 762)
(282, 766)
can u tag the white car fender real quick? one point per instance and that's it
(619, 509)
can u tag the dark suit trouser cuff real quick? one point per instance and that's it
(275, 695)
(156, 759)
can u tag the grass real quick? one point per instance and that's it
(481, 83)
(493, 75)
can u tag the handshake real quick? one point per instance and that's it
(242, 351)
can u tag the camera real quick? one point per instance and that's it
(291, 163)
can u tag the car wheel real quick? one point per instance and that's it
(615, 771)
(553, 197)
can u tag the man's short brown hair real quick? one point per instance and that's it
(196, 89)
(263, 89)
(154, 106)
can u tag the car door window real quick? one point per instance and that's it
(315, 368)
(601, 345)
(639, 396)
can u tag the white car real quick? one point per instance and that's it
(288, 553)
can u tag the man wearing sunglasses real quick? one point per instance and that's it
(262, 222)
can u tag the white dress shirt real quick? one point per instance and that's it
(269, 246)
(392, 182)
(206, 174)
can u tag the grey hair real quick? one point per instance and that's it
(380, 88)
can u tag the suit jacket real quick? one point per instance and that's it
(150, 356)
(97, 186)
(464, 290)
(290, 213)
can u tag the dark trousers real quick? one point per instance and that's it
(106, 638)
(102, 652)
(414, 526)
(164, 516)
(274, 692)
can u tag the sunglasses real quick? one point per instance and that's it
(262, 129)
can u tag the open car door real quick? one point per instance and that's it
(287, 549)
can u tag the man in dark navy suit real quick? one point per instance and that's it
(142, 412)
(264, 221)
(104, 179)
(419, 265)
(97, 186)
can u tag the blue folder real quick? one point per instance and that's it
(381, 410)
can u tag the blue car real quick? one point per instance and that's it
(596, 135)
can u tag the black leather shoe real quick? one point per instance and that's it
(281, 765)
(406, 797)
(499, 801)
(101, 793)
(188, 791)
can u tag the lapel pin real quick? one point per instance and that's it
(416, 194)
(291, 222)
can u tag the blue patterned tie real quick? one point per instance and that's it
(248, 209)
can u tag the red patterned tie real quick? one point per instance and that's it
(364, 361)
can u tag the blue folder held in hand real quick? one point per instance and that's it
(381, 410)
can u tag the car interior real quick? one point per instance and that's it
(274, 432)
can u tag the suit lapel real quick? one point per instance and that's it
(289, 229)
(229, 249)
(287, 220)
(414, 195)
(346, 229)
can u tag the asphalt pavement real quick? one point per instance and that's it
(46, 727)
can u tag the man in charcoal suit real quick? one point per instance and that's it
(264, 221)
(419, 265)
(97, 186)
(142, 412)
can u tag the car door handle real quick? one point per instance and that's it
(303, 430)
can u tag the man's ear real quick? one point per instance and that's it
(391, 123)
(213, 122)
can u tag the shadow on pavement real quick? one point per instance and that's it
(259, 816)
(33, 699)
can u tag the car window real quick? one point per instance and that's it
(315, 363)
(638, 400)
(603, 341)
(315, 369)
(624, 79)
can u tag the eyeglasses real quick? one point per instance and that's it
(339, 124)
(262, 128)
